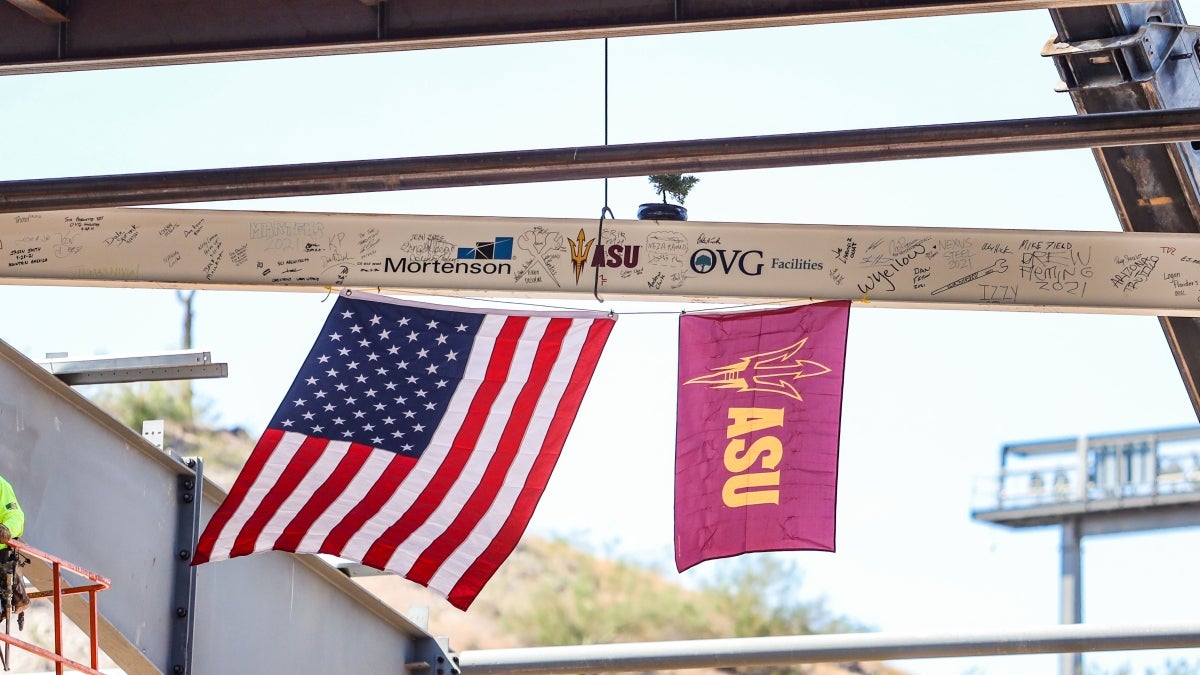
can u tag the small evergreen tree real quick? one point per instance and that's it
(675, 184)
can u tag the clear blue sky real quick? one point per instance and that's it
(930, 396)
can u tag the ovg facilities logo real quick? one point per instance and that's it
(705, 260)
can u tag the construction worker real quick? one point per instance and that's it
(12, 526)
(12, 518)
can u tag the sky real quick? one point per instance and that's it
(930, 394)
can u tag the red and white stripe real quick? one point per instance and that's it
(448, 519)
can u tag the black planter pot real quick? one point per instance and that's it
(661, 211)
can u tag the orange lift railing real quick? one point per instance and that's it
(98, 584)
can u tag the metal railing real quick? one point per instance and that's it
(1029, 488)
(56, 594)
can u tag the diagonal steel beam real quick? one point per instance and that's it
(589, 162)
(39, 10)
(1131, 57)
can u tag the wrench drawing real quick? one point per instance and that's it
(538, 242)
(1000, 265)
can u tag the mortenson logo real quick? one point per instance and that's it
(500, 248)
(468, 261)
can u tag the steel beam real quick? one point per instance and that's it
(132, 33)
(180, 365)
(1100, 440)
(75, 459)
(1140, 57)
(684, 261)
(723, 653)
(590, 162)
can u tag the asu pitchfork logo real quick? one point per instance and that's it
(579, 253)
(774, 372)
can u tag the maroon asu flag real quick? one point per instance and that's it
(759, 417)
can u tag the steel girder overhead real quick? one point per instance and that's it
(1112, 57)
(609, 161)
(1131, 57)
(49, 35)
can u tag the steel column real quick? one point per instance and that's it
(1070, 591)
(590, 162)
(187, 531)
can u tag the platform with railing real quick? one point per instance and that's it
(1154, 473)
(94, 584)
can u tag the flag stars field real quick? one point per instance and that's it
(345, 369)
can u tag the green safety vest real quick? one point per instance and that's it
(11, 515)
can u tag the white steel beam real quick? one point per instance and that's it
(71, 461)
(731, 652)
(177, 365)
(1034, 270)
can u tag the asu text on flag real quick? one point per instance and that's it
(415, 439)
(759, 418)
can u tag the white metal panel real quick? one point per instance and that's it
(90, 497)
(1123, 272)
(99, 495)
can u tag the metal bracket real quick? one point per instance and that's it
(430, 655)
(433, 655)
(183, 600)
(1138, 57)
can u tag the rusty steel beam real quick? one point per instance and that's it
(133, 33)
(39, 10)
(1141, 56)
(592, 162)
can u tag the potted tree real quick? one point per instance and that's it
(676, 185)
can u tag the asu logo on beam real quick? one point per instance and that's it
(605, 255)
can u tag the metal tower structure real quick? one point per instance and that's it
(1106, 484)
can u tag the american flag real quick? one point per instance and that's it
(415, 439)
